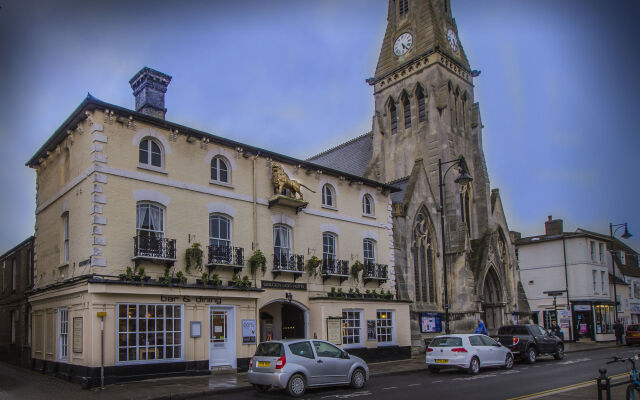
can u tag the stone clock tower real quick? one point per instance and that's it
(425, 111)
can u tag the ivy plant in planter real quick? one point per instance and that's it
(356, 268)
(167, 278)
(388, 295)
(215, 281)
(181, 278)
(313, 265)
(193, 257)
(128, 275)
(257, 260)
(333, 292)
(243, 283)
(340, 293)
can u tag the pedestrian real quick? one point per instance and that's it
(481, 328)
(618, 328)
(555, 330)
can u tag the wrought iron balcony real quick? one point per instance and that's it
(220, 255)
(147, 247)
(284, 262)
(375, 272)
(332, 268)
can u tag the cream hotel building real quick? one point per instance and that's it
(145, 230)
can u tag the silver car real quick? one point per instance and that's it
(295, 364)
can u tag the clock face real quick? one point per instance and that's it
(403, 44)
(452, 39)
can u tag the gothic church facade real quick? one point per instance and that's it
(425, 112)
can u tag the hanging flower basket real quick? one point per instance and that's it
(257, 260)
(356, 268)
(193, 257)
(312, 265)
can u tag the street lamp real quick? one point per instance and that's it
(625, 235)
(462, 179)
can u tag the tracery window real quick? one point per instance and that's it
(424, 258)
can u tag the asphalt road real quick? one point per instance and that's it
(490, 384)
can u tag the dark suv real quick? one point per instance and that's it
(528, 341)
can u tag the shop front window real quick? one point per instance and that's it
(604, 318)
(149, 332)
(550, 318)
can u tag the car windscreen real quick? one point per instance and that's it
(634, 328)
(269, 350)
(446, 342)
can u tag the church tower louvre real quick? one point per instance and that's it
(425, 112)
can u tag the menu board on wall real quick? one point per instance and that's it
(77, 334)
(248, 331)
(334, 330)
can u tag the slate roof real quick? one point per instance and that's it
(401, 184)
(351, 157)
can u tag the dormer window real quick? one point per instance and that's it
(150, 153)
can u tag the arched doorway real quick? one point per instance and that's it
(492, 303)
(282, 319)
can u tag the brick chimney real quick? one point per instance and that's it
(149, 87)
(553, 227)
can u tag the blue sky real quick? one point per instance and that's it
(558, 89)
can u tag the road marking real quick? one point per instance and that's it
(553, 391)
(476, 377)
(511, 371)
(349, 395)
(389, 388)
(416, 384)
(577, 360)
(437, 381)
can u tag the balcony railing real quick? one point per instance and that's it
(284, 262)
(220, 255)
(332, 268)
(374, 272)
(154, 248)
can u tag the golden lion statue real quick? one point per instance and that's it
(281, 180)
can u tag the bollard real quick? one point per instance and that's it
(603, 383)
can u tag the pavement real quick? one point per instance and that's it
(15, 383)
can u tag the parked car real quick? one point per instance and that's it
(296, 364)
(529, 340)
(469, 352)
(632, 334)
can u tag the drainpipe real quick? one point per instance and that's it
(255, 209)
(566, 280)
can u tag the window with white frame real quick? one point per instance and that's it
(14, 319)
(384, 326)
(150, 220)
(329, 252)
(281, 244)
(367, 205)
(595, 276)
(219, 170)
(328, 196)
(65, 238)
(63, 334)
(219, 230)
(351, 327)
(148, 332)
(14, 273)
(369, 247)
(602, 253)
(150, 153)
(602, 280)
(593, 251)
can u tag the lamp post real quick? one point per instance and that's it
(462, 179)
(625, 235)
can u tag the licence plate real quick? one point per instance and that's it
(264, 364)
(441, 361)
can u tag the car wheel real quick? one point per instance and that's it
(530, 356)
(474, 366)
(433, 370)
(296, 386)
(633, 392)
(261, 388)
(559, 355)
(357, 379)
(508, 362)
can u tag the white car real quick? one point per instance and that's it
(469, 351)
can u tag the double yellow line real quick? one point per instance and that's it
(565, 388)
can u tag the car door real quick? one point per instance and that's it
(495, 350)
(334, 367)
(484, 352)
(541, 341)
(303, 354)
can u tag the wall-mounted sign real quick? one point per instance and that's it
(582, 307)
(430, 322)
(196, 329)
(284, 285)
(191, 299)
(334, 330)
(248, 331)
(77, 334)
(371, 329)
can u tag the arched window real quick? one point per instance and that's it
(281, 245)
(329, 250)
(404, 7)
(394, 117)
(150, 153)
(219, 170)
(422, 107)
(369, 248)
(465, 207)
(456, 96)
(406, 110)
(367, 205)
(464, 114)
(424, 258)
(328, 196)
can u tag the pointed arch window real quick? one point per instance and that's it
(422, 106)
(456, 96)
(404, 7)
(424, 259)
(393, 112)
(150, 153)
(219, 170)
(367, 205)
(464, 114)
(465, 207)
(406, 111)
(328, 196)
